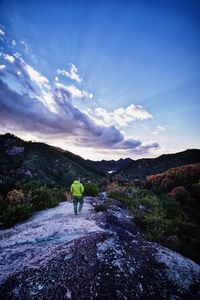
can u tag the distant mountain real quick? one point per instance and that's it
(148, 166)
(112, 165)
(20, 160)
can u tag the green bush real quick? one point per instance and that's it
(20, 205)
(59, 195)
(162, 218)
(16, 213)
(91, 189)
(44, 198)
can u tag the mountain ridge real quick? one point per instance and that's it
(159, 164)
(25, 158)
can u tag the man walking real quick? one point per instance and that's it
(77, 190)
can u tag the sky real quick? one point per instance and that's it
(102, 79)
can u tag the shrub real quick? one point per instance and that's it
(44, 198)
(164, 219)
(59, 195)
(180, 193)
(91, 189)
(31, 185)
(15, 196)
(19, 204)
(16, 213)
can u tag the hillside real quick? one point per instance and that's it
(187, 176)
(148, 166)
(24, 161)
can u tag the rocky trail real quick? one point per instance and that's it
(56, 255)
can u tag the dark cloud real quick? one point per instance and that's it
(130, 144)
(29, 114)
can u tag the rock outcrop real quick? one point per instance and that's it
(100, 256)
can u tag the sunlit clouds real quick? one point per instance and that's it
(120, 116)
(31, 103)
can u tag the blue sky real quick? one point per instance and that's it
(103, 79)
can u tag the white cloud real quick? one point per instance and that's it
(2, 32)
(14, 43)
(34, 75)
(72, 74)
(121, 117)
(72, 92)
(7, 57)
(2, 67)
(45, 94)
(103, 115)
(137, 112)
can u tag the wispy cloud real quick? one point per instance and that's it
(72, 73)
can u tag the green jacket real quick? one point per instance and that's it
(77, 188)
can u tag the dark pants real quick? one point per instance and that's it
(77, 200)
